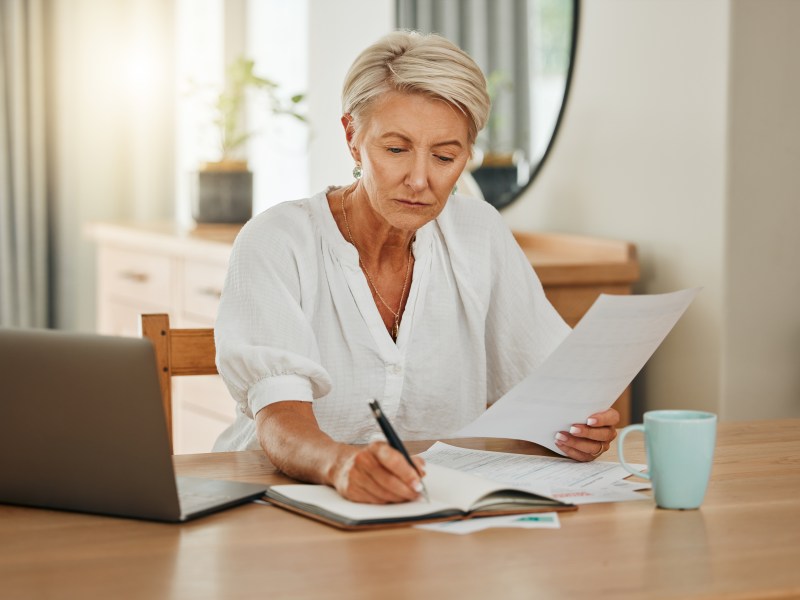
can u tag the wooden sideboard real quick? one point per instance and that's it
(155, 267)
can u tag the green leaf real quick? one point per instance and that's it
(231, 100)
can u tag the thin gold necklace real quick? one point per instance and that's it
(396, 327)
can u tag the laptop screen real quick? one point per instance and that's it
(82, 425)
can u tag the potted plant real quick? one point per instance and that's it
(224, 190)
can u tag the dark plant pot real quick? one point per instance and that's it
(498, 184)
(223, 197)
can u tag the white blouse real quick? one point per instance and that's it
(297, 321)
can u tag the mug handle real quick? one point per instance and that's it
(620, 441)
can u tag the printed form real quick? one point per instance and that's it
(587, 372)
(570, 481)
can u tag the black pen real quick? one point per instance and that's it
(394, 440)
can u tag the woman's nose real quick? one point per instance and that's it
(417, 177)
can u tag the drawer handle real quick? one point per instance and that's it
(135, 276)
(215, 293)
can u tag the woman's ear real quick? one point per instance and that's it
(347, 123)
(349, 133)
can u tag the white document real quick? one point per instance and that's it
(568, 481)
(619, 491)
(587, 372)
(535, 521)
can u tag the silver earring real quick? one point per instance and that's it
(455, 189)
(357, 171)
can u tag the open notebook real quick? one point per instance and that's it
(453, 495)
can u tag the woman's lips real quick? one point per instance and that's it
(411, 202)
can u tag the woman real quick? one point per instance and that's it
(391, 288)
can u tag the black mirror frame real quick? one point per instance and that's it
(576, 4)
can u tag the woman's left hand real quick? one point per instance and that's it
(587, 441)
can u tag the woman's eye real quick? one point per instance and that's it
(395, 150)
(445, 159)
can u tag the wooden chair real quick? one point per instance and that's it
(178, 352)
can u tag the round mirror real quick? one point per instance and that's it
(526, 48)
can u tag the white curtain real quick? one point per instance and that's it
(86, 134)
(23, 166)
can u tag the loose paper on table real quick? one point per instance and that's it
(565, 479)
(538, 521)
(587, 372)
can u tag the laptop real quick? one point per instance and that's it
(82, 428)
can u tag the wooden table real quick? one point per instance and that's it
(743, 543)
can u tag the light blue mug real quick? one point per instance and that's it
(680, 450)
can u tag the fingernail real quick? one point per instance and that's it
(561, 437)
(591, 421)
(418, 487)
(574, 430)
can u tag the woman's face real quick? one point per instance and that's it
(412, 150)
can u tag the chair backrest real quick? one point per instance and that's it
(178, 352)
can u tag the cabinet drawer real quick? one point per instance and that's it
(206, 394)
(120, 318)
(197, 432)
(202, 289)
(136, 276)
(202, 409)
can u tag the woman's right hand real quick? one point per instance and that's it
(377, 474)
(291, 438)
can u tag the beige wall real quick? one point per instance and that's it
(673, 105)
(761, 364)
(337, 31)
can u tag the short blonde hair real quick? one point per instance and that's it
(407, 61)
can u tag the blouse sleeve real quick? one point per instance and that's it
(266, 348)
(522, 327)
